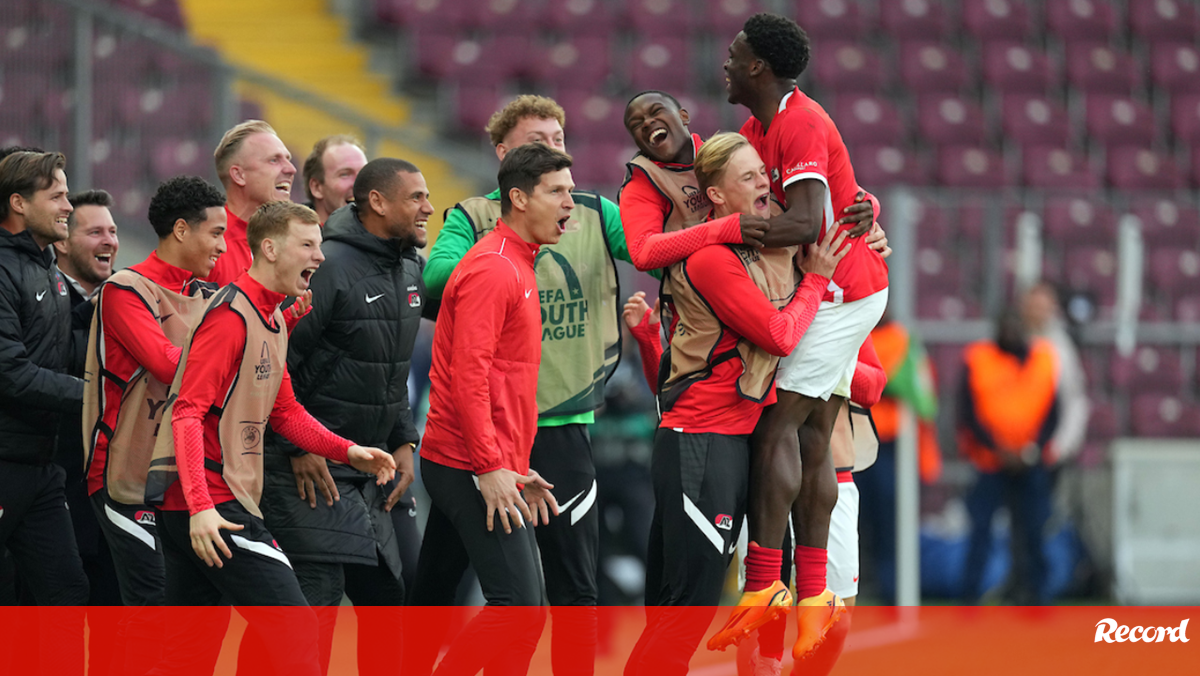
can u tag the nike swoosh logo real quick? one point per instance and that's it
(527, 292)
(372, 299)
(42, 294)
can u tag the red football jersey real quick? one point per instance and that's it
(804, 143)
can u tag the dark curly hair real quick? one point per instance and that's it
(185, 197)
(779, 42)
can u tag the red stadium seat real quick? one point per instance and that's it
(914, 19)
(725, 18)
(1058, 168)
(704, 115)
(971, 167)
(1175, 67)
(1035, 121)
(937, 271)
(1172, 269)
(927, 67)
(1187, 309)
(474, 105)
(1076, 220)
(1132, 168)
(1154, 20)
(662, 18)
(513, 17)
(1092, 269)
(996, 19)
(592, 117)
(572, 61)
(836, 20)
(1185, 119)
(601, 165)
(173, 157)
(950, 120)
(1119, 120)
(1164, 416)
(443, 16)
(435, 52)
(1099, 68)
(580, 17)
(846, 67)
(661, 63)
(877, 166)
(863, 119)
(1166, 222)
(1081, 19)
(1009, 68)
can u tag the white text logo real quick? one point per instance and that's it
(1109, 631)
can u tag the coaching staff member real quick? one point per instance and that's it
(349, 361)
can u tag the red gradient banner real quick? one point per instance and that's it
(929, 641)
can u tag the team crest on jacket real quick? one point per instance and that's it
(724, 522)
(144, 517)
(414, 297)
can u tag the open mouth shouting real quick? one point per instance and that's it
(104, 259)
(657, 137)
(306, 276)
(762, 202)
(562, 223)
(285, 188)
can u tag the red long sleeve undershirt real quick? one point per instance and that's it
(869, 377)
(643, 211)
(213, 361)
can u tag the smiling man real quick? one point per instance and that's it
(349, 360)
(255, 168)
(329, 173)
(482, 420)
(232, 380)
(86, 255)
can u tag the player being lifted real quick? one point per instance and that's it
(812, 178)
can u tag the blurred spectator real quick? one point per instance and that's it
(329, 173)
(910, 384)
(1007, 415)
(1042, 312)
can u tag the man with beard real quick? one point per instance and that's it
(329, 173)
(36, 394)
(349, 360)
(811, 177)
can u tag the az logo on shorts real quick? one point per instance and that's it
(724, 522)
(144, 517)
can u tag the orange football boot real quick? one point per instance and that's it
(753, 611)
(815, 616)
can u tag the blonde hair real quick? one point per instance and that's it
(714, 157)
(525, 105)
(273, 219)
(232, 142)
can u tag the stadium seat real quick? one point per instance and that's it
(1172, 269)
(1185, 119)
(1175, 67)
(1035, 120)
(1132, 168)
(725, 18)
(601, 165)
(502, 17)
(845, 67)
(662, 18)
(928, 67)
(1164, 416)
(704, 115)
(833, 20)
(1099, 68)
(580, 17)
(592, 117)
(444, 16)
(914, 19)
(1058, 168)
(988, 20)
(435, 52)
(127, 61)
(1076, 220)
(1154, 20)
(1081, 19)
(946, 306)
(1150, 368)
(573, 60)
(937, 271)
(1166, 222)
(1092, 269)
(173, 157)
(950, 120)
(474, 105)
(1016, 68)
(877, 166)
(660, 63)
(502, 57)
(863, 119)
(1118, 120)
(1187, 309)
(971, 167)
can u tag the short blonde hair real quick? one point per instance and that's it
(273, 219)
(714, 157)
(525, 105)
(232, 142)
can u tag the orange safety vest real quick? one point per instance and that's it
(1012, 398)
(891, 345)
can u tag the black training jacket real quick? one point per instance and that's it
(35, 348)
(349, 361)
